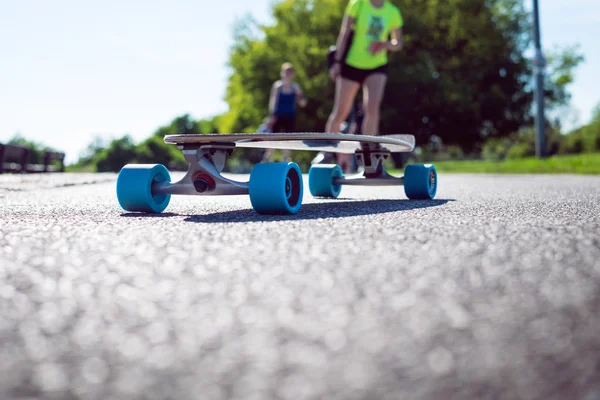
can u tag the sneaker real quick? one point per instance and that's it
(319, 158)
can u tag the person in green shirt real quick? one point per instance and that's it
(365, 63)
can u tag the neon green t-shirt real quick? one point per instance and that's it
(372, 25)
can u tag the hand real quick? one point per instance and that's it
(271, 122)
(335, 70)
(302, 102)
(376, 47)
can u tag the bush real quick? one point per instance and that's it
(521, 149)
(155, 151)
(572, 143)
(585, 139)
(120, 152)
(591, 137)
(495, 149)
(455, 153)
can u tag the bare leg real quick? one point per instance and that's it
(373, 94)
(345, 91)
(268, 155)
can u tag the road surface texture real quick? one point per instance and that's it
(492, 291)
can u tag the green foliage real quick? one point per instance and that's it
(184, 125)
(120, 152)
(586, 139)
(155, 151)
(496, 148)
(569, 164)
(110, 157)
(521, 149)
(520, 145)
(455, 153)
(87, 157)
(591, 132)
(561, 65)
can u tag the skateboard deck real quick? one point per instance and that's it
(328, 142)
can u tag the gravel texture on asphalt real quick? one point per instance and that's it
(491, 291)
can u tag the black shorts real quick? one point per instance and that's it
(360, 75)
(284, 123)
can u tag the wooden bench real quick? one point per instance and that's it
(16, 159)
(51, 156)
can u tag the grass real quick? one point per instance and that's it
(570, 164)
(80, 168)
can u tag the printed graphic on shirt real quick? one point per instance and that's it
(375, 27)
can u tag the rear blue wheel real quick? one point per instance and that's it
(276, 188)
(320, 180)
(134, 187)
(420, 181)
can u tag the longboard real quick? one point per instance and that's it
(274, 188)
(328, 142)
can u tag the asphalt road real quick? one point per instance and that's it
(490, 292)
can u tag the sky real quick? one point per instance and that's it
(73, 70)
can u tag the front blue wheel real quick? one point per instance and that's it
(320, 180)
(134, 187)
(420, 181)
(276, 188)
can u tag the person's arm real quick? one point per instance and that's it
(342, 41)
(273, 98)
(350, 16)
(340, 46)
(300, 96)
(397, 42)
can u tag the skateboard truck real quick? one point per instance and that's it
(204, 172)
(371, 157)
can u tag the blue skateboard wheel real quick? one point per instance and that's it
(420, 181)
(276, 188)
(134, 187)
(320, 180)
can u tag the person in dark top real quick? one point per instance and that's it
(285, 93)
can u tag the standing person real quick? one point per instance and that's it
(357, 116)
(352, 126)
(285, 93)
(366, 63)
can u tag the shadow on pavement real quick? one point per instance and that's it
(330, 209)
(149, 215)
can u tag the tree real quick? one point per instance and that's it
(111, 157)
(184, 125)
(120, 152)
(87, 156)
(462, 76)
(584, 139)
(155, 151)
